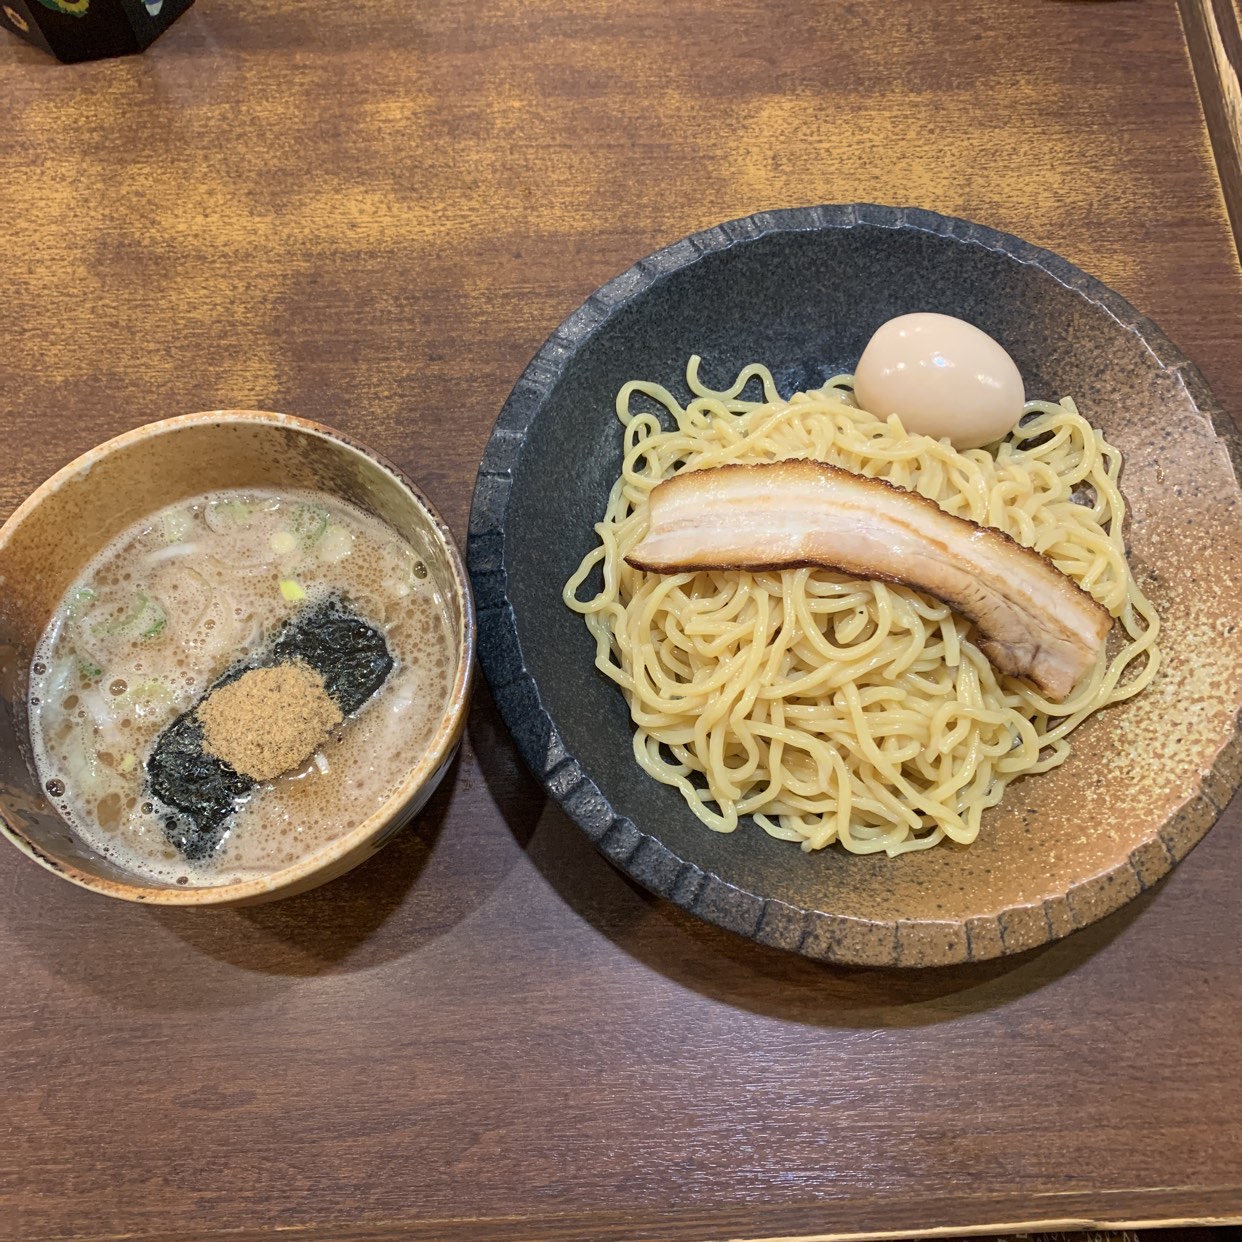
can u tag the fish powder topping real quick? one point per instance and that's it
(269, 719)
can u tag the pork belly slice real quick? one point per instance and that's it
(1032, 621)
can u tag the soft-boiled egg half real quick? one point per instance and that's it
(942, 377)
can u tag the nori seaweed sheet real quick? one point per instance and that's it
(200, 790)
(350, 655)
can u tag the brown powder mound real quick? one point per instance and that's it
(269, 720)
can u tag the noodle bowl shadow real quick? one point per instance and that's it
(802, 291)
(378, 913)
(699, 955)
(50, 539)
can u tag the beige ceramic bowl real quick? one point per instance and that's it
(48, 541)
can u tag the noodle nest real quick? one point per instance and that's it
(830, 708)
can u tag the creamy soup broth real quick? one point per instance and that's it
(178, 600)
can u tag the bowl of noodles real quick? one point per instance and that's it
(836, 763)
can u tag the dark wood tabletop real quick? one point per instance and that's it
(372, 215)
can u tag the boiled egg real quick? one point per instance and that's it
(942, 377)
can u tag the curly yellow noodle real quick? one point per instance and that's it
(832, 709)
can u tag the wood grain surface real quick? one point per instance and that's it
(372, 215)
(1213, 30)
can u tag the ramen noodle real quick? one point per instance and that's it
(835, 709)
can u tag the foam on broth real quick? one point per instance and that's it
(181, 597)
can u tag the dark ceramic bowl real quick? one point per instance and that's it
(802, 291)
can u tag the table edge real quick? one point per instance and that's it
(1222, 1208)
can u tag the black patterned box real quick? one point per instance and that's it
(89, 29)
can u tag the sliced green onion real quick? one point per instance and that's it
(146, 619)
(220, 514)
(79, 601)
(150, 698)
(336, 545)
(175, 526)
(292, 590)
(309, 523)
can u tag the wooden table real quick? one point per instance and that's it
(372, 215)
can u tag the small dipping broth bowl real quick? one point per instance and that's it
(48, 542)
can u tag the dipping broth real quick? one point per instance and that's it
(191, 592)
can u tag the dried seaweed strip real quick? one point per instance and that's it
(201, 791)
(351, 656)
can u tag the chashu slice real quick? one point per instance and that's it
(1032, 620)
